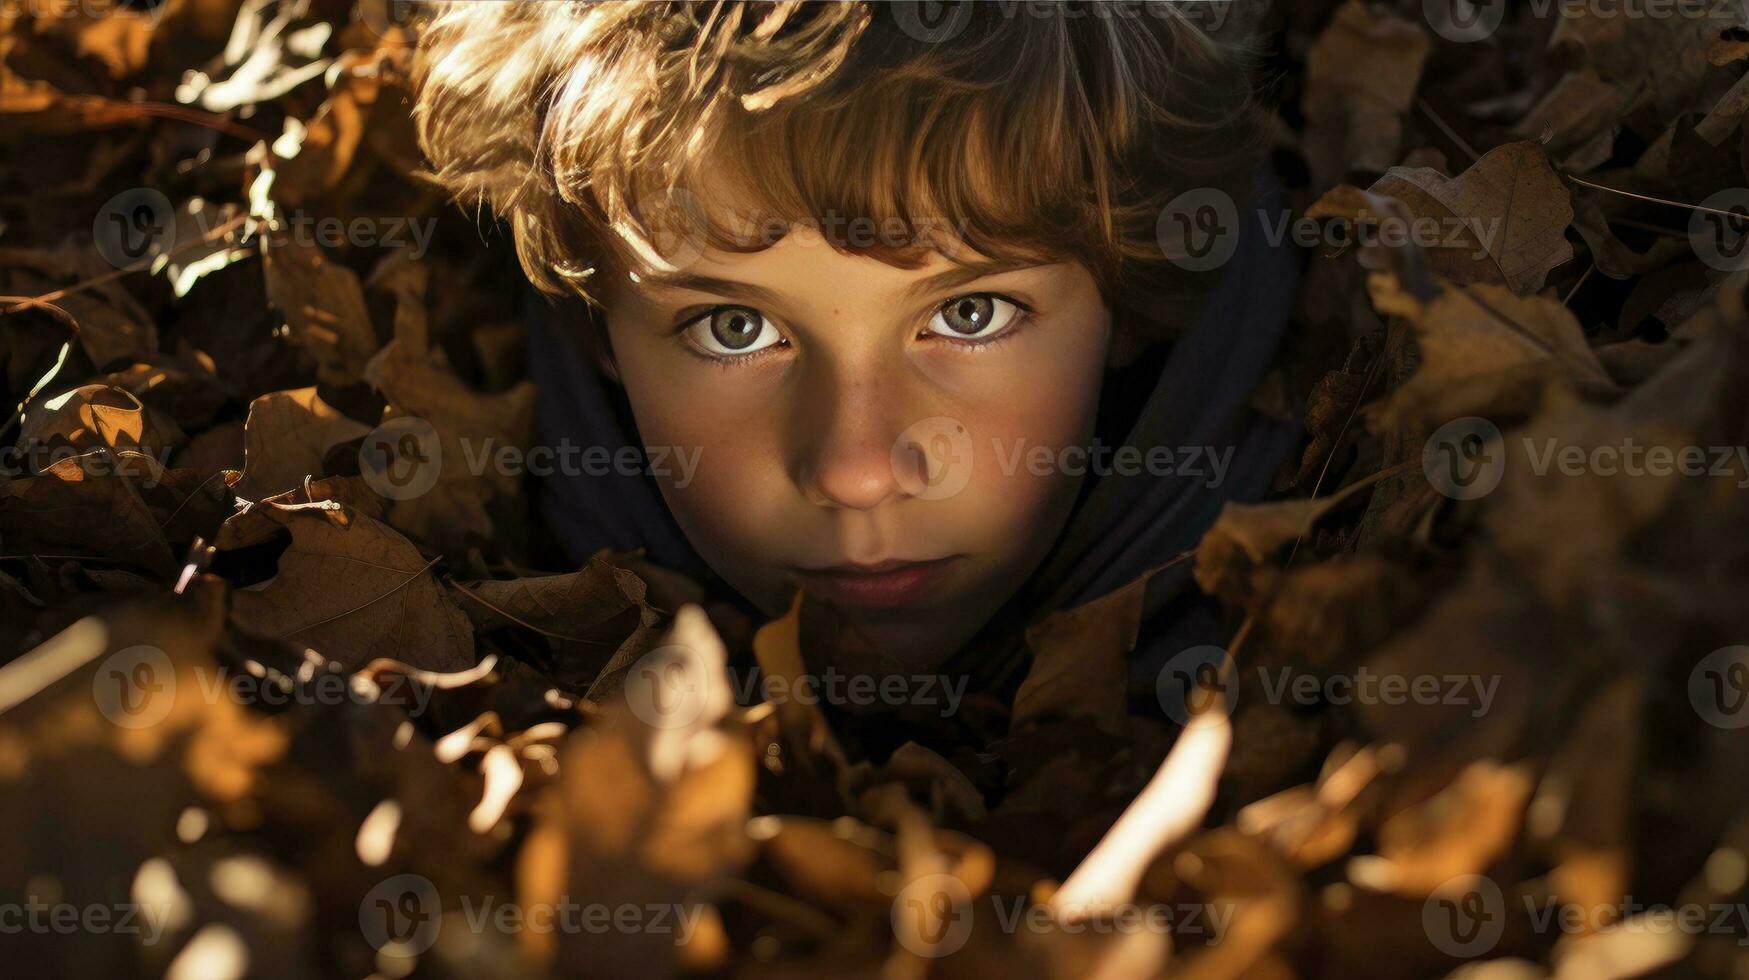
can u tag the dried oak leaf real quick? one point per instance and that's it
(1577, 119)
(1244, 537)
(652, 808)
(114, 329)
(354, 589)
(339, 498)
(1566, 527)
(323, 305)
(186, 390)
(1361, 77)
(33, 108)
(1461, 830)
(1583, 810)
(318, 154)
(470, 426)
(806, 734)
(1661, 61)
(122, 506)
(1333, 405)
(1079, 664)
(1484, 352)
(1502, 221)
(285, 438)
(1613, 257)
(95, 416)
(587, 616)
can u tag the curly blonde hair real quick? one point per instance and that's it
(1036, 133)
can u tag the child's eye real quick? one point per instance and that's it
(975, 316)
(732, 331)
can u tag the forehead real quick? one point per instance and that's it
(711, 216)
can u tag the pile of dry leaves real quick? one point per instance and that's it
(261, 714)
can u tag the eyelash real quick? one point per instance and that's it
(1023, 318)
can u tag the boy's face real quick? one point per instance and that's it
(887, 438)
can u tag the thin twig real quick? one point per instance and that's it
(370, 602)
(95, 281)
(1654, 200)
(507, 614)
(1450, 133)
(1589, 269)
(1360, 399)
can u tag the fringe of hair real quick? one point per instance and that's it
(1036, 133)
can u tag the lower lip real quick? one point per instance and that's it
(879, 590)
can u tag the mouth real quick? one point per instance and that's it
(882, 585)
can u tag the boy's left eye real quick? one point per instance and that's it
(974, 316)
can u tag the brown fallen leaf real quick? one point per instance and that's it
(471, 428)
(1501, 221)
(356, 593)
(594, 620)
(92, 417)
(323, 307)
(652, 810)
(1361, 77)
(1485, 352)
(1079, 664)
(285, 438)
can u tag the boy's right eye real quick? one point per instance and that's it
(732, 331)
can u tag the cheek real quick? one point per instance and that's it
(1019, 489)
(731, 499)
(1035, 396)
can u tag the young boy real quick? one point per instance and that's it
(880, 295)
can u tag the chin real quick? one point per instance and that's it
(902, 643)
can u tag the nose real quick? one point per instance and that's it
(846, 429)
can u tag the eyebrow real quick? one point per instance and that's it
(946, 279)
